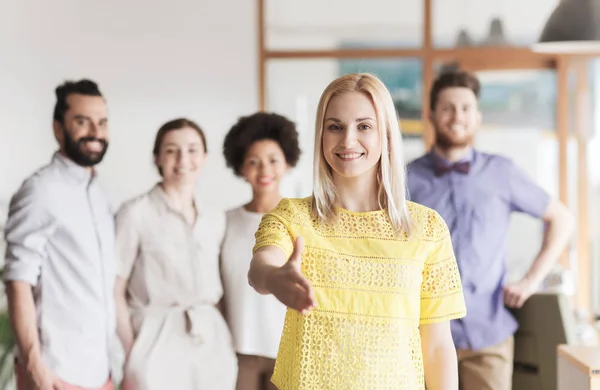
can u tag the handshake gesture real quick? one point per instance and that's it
(289, 285)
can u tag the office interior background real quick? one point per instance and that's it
(216, 61)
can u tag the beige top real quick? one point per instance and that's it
(165, 259)
(181, 339)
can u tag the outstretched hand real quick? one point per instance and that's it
(289, 285)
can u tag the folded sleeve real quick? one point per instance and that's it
(274, 230)
(127, 240)
(526, 195)
(28, 229)
(441, 290)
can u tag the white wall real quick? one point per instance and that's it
(153, 61)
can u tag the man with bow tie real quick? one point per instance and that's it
(475, 193)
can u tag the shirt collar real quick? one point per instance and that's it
(435, 158)
(160, 198)
(79, 173)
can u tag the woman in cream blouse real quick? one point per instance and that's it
(168, 284)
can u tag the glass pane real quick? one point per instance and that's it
(294, 87)
(489, 22)
(519, 98)
(403, 77)
(337, 24)
(515, 98)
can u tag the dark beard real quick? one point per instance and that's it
(446, 142)
(74, 150)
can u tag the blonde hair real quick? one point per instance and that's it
(391, 174)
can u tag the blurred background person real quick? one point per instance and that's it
(168, 286)
(60, 255)
(475, 193)
(260, 148)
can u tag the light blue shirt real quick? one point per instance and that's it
(477, 204)
(60, 238)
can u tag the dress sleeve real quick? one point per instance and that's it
(274, 230)
(441, 290)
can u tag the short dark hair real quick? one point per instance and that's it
(451, 79)
(257, 127)
(177, 124)
(81, 87)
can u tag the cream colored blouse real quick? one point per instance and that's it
(181, 339)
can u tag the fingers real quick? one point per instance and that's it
(513, 298)
(518, 300)
(296, 257)
(508, 297)
(299, 299)
(57, 384)
(304, 283)
(294, 290)
(308, 293)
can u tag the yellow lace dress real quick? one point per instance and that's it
(373, 289)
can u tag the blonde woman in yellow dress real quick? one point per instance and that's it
(370, 279)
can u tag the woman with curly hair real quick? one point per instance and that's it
(260, 148)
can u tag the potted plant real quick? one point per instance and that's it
(7, 343)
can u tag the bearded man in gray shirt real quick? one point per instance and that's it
(60, 256)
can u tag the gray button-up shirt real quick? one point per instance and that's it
(60, 239)
(477, 206)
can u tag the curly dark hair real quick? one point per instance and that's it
(257, 127)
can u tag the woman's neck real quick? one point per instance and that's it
(181, 198)
(263, 203)
(358, 194)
